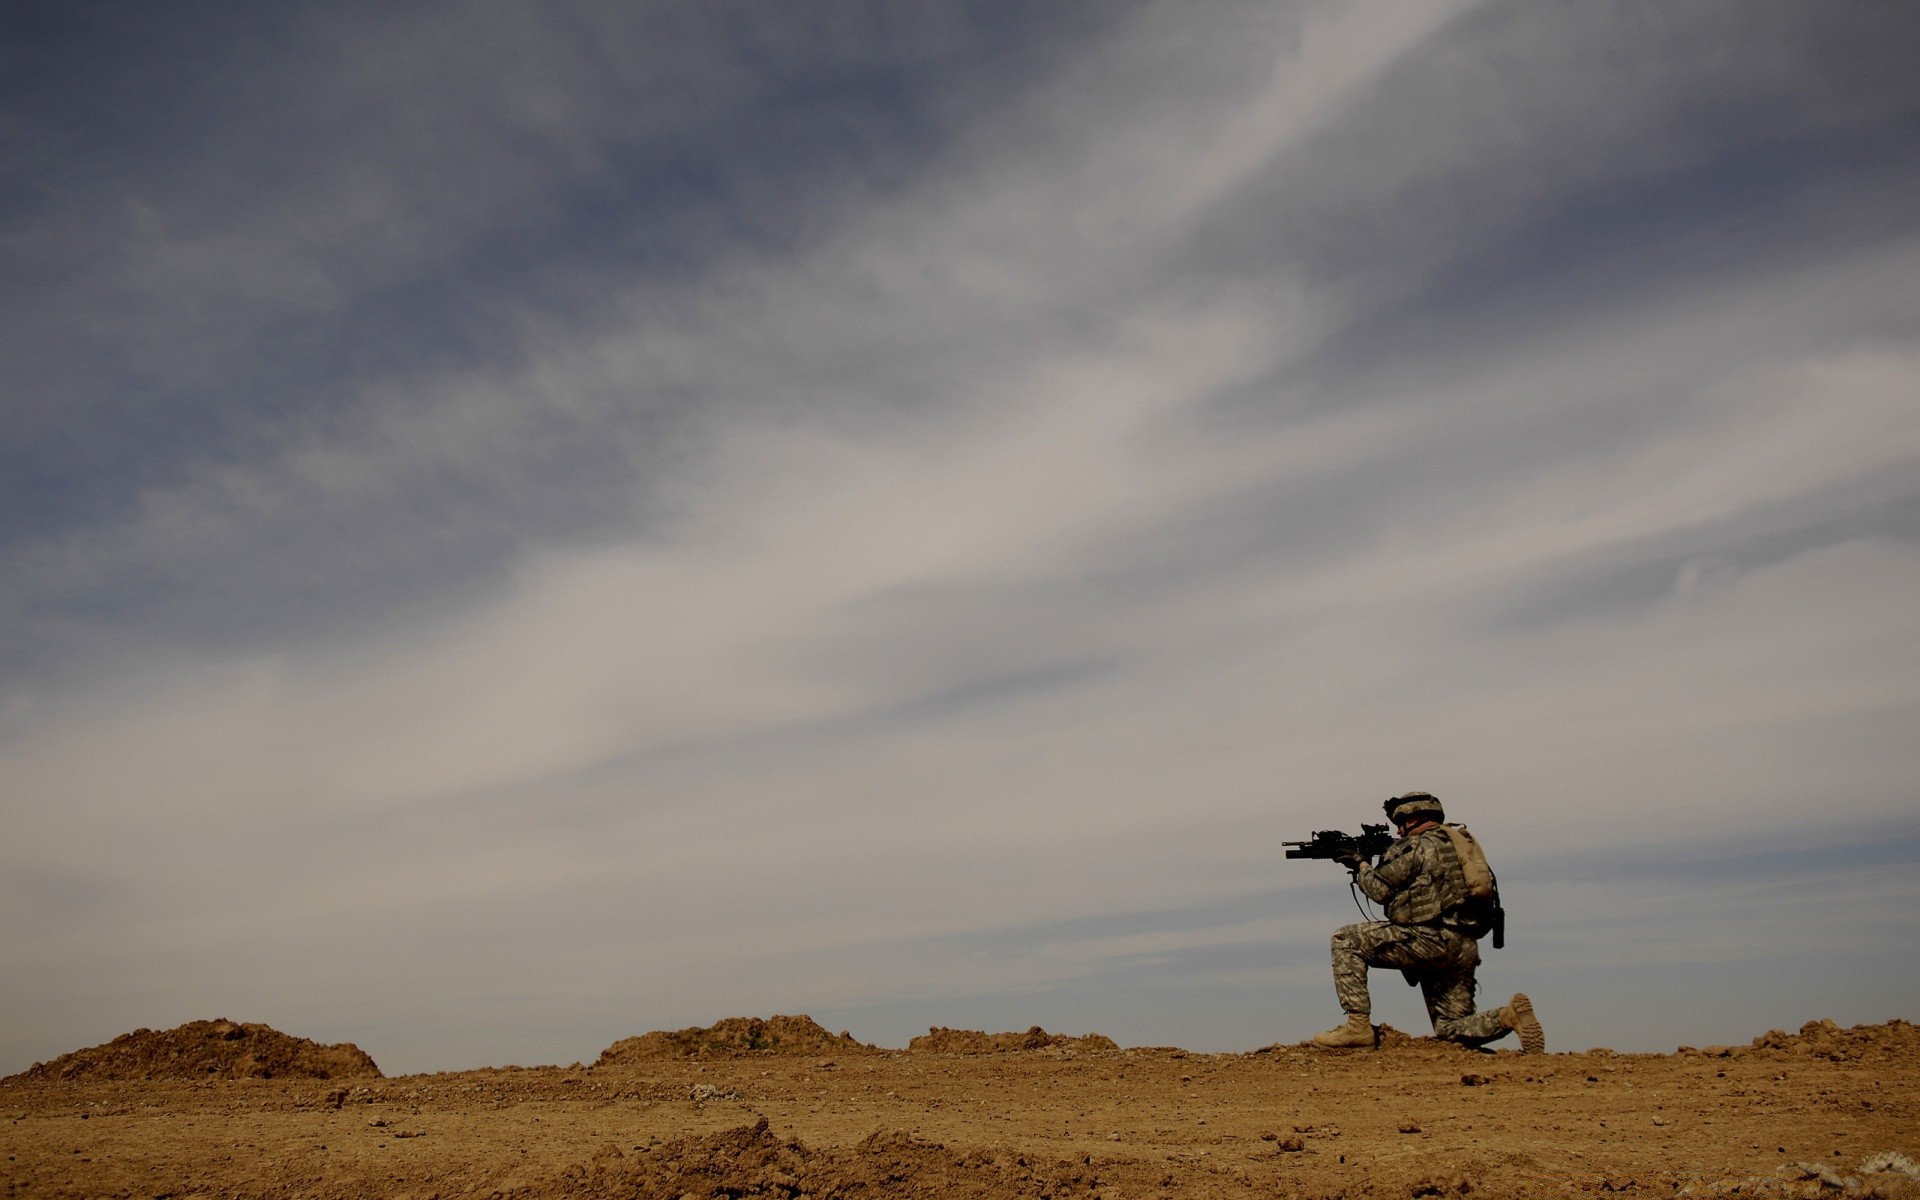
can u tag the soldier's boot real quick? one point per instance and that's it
(1356, 1034)
(1517, 1015)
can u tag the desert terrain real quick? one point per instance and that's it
(782, 1108)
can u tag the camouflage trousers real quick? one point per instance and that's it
(1441, 961)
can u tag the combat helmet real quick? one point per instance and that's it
(1414, 804)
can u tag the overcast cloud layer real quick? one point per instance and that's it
(522, 525)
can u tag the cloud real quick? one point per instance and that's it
(934, 562)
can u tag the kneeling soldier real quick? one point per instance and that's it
(1431, 935)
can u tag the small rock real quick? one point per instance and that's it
(1891, 1162)
(377, 1123)
(1815, 1171)
(1474, 1080)
(1409, 1127)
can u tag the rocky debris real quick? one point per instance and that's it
(733, 1037)
(941, 1040)
(1817, 1172)
(751, 1161)
(219, 1049)
(1891, 1162)
(1825, 1039)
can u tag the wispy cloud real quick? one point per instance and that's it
(684, 513)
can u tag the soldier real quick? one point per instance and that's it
(1431, 935)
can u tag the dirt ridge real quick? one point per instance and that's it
(940, 1040)
(1826, 1039)
(732, 1037)
(219, 1049)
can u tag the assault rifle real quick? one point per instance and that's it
(1333, 844)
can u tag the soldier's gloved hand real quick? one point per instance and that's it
(1350, 861)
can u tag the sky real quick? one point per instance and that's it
(525, 524)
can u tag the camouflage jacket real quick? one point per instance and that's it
(1418, 879)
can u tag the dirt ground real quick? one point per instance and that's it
(753, 1114)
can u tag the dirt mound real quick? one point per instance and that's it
(941, 1040)
(750, 1161)
(1825, 1039)
(202, 1049)
(734, 1036)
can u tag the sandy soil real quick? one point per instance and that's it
(1788, 1115)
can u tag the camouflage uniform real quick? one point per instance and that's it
(1420, 882)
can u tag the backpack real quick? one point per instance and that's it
(1480, 912)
